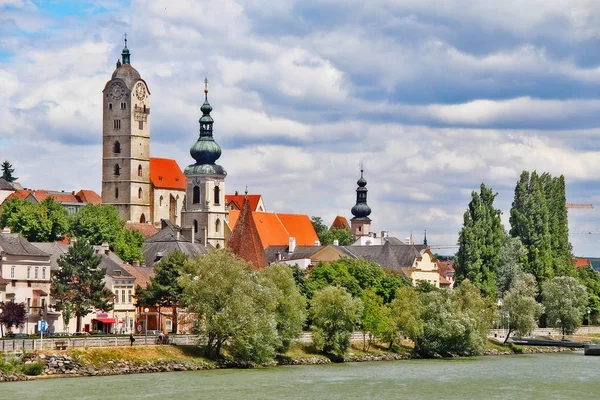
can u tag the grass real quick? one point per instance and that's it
(100, 356)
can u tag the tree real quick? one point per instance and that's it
(344, 237)
(405, 316)
(375, 318)
(234, 307)
(480, 240)
(589, 278)
(164, 289)
(129, 245)
(521, 305)
(334, 314)
(78, 286)
(320, 229)
(37, 222)
(8, 171)
(13, 314)
(510, 265)
(565, 302)
(290, 310)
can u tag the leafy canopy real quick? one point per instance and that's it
(37, 222)
(13, 314)
(565, 301)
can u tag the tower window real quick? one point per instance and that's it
(116, 193)
(110, 106)
(117, 170)
(160, 201)
(117, 124)
(117, 147)
(218, 226)
(123, 106)
(139, 193)
(195, 227)
(141, 125)
(139, 170)
(196, 195)
(217, 195)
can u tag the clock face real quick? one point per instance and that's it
(117, 90)
(140, 91)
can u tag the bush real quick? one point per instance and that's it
(33, 369)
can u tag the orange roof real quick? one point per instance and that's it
(277, 229)
(83, 196)
(89, 196)
(581, 262)
(245, 240)
(238, 200)
(340, 223)
(166, 174)
(146, 230)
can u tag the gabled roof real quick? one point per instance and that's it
(245, 241)
(277, 229)
(166, 174)
(167, 240)
(581, 262)
(82, 197)
(238, 200)
(112, 263)
(340, 222)
(89, 196)
(302, 252)
(6, 185)
(55, 249)
(147, 230)
(15, 244)
(141, 274)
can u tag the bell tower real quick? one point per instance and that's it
(205, 214)
(360, 225)
(126, 142)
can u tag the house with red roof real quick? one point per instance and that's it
(167, 190)
(236, 202)
(71, 201)
(340, 222)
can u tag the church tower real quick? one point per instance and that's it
(126, 142)
(360, 225)
(205, 213)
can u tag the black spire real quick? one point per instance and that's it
(361, 210)
(125, 54)
(425, 238)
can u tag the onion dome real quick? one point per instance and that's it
(361, 210)
(205, 151)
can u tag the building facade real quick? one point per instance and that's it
(126, 142)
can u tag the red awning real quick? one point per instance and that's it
(105, 320)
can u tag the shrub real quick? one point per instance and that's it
(33, 369)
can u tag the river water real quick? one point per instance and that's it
(539, 376)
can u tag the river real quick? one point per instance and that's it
(539, 376)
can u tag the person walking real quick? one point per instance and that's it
(131, 339)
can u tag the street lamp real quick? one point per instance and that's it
(589, 311)
(146, 327)
(1, 327)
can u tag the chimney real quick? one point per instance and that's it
(292, 245)
(317, 243)
(407, 240)
(236, 192)
(336, 242)
(105, 247)
(384, 234)
(193, 235)
(279, 256)
(177, 233)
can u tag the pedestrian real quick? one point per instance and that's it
(161, 337)
(131, 339)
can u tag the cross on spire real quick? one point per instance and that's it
(205, 85)
(125, 39)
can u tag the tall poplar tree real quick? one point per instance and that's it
(480, 240)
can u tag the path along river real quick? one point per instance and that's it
(540, 376)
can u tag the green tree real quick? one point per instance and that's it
(375, 319)
(37, 222)
(480, 240)
(164, 289)
(129, 245)
(589, 278)
(565, 301)
(232, 305)
(344, 237)
(78, 286)
(334, 314)
(510, 265)
(405, 316)
(290, 310)
(521, 305)
(13, 314)
(8, 171)
(556, 201)
(321, 229)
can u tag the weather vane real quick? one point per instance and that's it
(206, 84)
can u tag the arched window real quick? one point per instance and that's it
(117, 147)
(217, 195)
(139, 170)
(139, 193)
(218, 226)
(195, 226)
(116, 193)
(110, 106)
(218, 246)
(196, 196)
(160, 200)
(142, 218)
(117, 170)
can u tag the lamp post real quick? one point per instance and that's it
(1, 326)
(146, 326)
(588, 312)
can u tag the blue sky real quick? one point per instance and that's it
(434, 97)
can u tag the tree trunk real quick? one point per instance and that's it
(175, 318)
(507, 336)
(78, 323)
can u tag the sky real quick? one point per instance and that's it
(434, 98)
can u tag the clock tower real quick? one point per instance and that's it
(126, 142)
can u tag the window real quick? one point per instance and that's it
(29, 272)
(116, 296)
(117, 147)
(139, 170)
(116, 193)
(123, 296)
(217, 195)
(123, 106)
(218, 246)
(218, 226)
(37, 272)
(117, 170)
(169, 325)
(196, 197)
(117, 124)
(12, 272)
(43, 272)
(142, 218)
(141, 125)
(160, 200)
(110, 106)
(130, 296)
(139, 193)
(195, 227)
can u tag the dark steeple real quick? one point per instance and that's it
(205, 151)
(125, 54)
(425, 239)
(361, 210)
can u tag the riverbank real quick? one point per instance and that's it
(152, 359)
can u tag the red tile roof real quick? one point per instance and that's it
(277, 229)
(245, 240)
(89, 196)
(146, 230)
(166, 174)
(581, 262)
(83, 196)
(340, 223)
(238, 200)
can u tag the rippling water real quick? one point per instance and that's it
(541, 376)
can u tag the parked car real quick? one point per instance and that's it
(80, 334)
(98, 333)
(12, 335)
